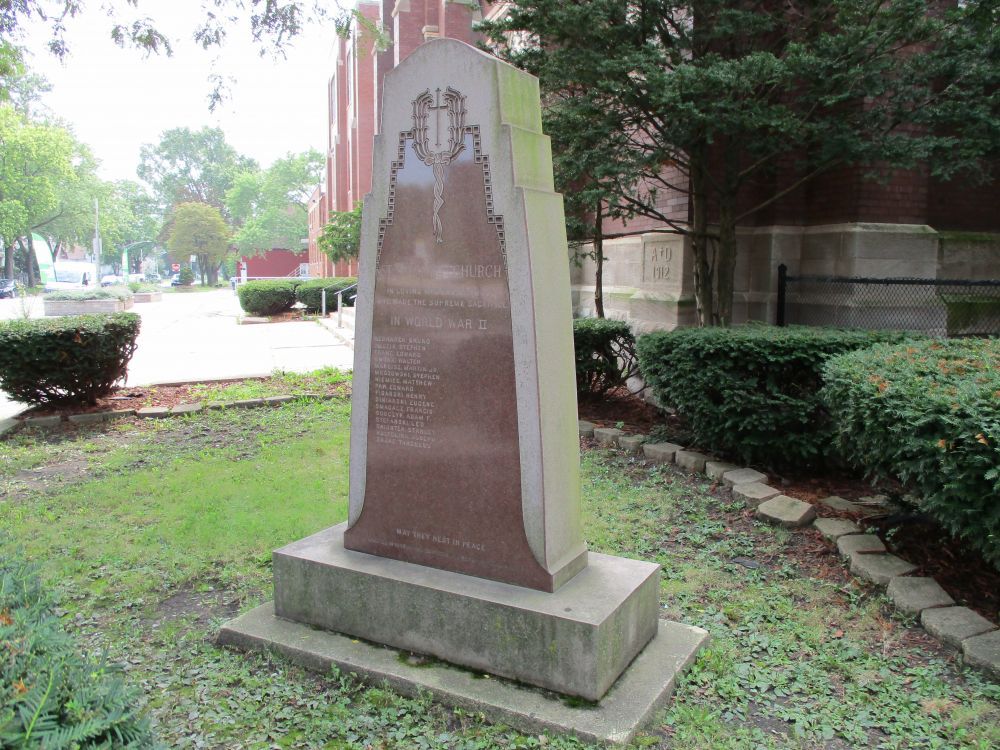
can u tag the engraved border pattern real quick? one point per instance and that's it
(478, 156)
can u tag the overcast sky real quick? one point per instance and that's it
(117, 99)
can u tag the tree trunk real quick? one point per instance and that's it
(8, 261)
(701, 247)
(30, 265)
(725, 262)
(599, 261)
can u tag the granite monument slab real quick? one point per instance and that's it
(464, 534)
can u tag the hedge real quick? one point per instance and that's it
(605, 354)
(268, 297)
(751, 392)
(50, 695)
(77, 358)
(79, 295)
(310, 293)
(927, 414)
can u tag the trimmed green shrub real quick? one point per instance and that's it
(50, 695)
(751, 391)
(77, 358)
(927, 414)
(142, 286)
(605, 354)
(186, 276)
(79, 295)
(268, 296)
(309, 293)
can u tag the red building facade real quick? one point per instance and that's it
(354, 96)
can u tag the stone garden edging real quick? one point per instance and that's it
(12, 425)
(867, 557)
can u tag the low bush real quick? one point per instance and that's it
(137, 287)
(927, 414)
(185, 276)
(605, 354)
(268, 297)
(752, 391)
(50, 695)
(77, 358)
(309, 293)
(79, 295)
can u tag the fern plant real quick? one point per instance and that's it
(51, 696)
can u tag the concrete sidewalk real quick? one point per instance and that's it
(195, 336)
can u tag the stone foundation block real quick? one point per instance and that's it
(849, 546)
(754, 493)
(187, 408)
(637, 695)
(277, 400)
(53, 421)
(880, 569)
(983, 652)
(92, 417)
(786, 511)
(717, 469)
(691, 461)
(952, 625)
(834, 528)
(607, 437)
(839, 503)
(153, 412)
(914, 595)
(9, 426)
(586, 429)
(576, 641)
(661, 453)
(631, 443)
(743, 476)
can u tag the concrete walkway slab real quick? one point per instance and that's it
(194, 336)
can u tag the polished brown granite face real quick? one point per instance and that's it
(443, 485)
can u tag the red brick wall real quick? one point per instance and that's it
(275, 263)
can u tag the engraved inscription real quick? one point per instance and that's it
(402, 386)
(657, 263)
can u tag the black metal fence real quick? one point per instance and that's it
(937, 307)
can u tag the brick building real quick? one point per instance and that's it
(354, 96)
(840, 224)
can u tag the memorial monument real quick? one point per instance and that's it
(464, 537)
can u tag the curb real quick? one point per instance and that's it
(865, 555)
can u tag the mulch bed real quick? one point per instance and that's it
(153, 395)
(970, 580)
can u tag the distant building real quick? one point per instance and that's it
(354, 94)
(275, 263)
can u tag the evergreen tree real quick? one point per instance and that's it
(712, 97)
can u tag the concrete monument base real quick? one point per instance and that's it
(575, 641)
(644, 687)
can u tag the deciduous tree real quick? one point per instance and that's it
(270, 207)
(191, 166)
(198, 229)
(341, 237)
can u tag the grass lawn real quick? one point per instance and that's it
(154, 532)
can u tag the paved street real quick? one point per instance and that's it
(195, 336)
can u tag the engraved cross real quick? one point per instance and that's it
(437, 107)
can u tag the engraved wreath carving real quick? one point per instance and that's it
(437, 156)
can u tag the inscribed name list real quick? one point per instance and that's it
(443, 480)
